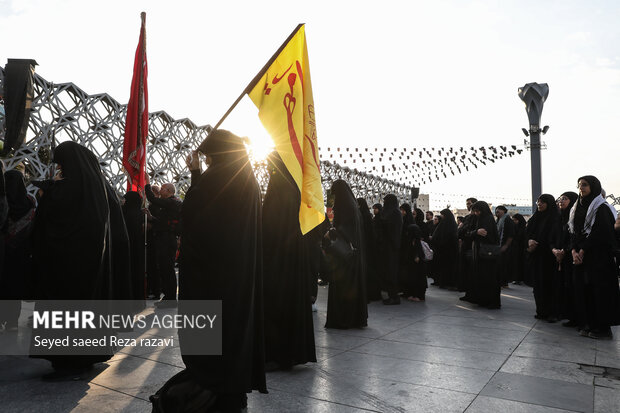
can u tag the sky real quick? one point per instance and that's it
(405, 74)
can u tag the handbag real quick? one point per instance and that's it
(341, 248)
(489, 251)
(428, 252)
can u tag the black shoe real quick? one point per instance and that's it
(552, 320)
(604, 334)
(165, 304)
(392, 301)
(584, 332)
(569, 323)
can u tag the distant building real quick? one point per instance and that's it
(423, 202)
(526, 211)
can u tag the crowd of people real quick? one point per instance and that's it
(77, 240)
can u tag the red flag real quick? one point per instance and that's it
(137, 122)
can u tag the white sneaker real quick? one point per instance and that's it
(314, 309)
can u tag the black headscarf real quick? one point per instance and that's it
(364, 210)
(414, 233)
(419, 218)
(379, 207)
(347, 218)
(392, 221)
(485, 220)
(408, 217)
(565, 213)
(221, 259)
(584, 202)
(17, 198)
(521, 222)
(446, 231)
(541, 224)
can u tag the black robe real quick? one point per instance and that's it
(519, 252)
(600, 273)
(414, 283)
(445, 246)
(134, 220)
(465, 254)
(289, 332)
(80, 243)
(597, 300)
(15, 268)
(373, 286)
(346, 301)
(221, 259)
(485, 288)
(564, 291)
(391, 232)
(541, 263)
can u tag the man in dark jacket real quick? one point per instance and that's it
(166, 226)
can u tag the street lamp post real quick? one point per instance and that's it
(534, 96)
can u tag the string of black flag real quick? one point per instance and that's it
(418, 165)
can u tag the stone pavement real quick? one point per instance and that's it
(442, 355)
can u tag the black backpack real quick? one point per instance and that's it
(182, 394)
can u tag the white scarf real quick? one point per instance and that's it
(590, 215)
(500, 228)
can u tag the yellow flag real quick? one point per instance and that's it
(283, 96)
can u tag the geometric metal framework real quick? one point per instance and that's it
(62, 112)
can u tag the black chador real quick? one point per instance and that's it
(414, 283)
(446, 248)
(373, 288)
(485, 286)
(80, 243)
(541, 263)
(221, 259)
(289, 333)
(563, 290)
(391, 232)
(346, 301)
(591, 224)
(134, 220)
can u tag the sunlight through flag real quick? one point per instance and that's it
(283, 95)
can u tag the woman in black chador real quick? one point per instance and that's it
(80, 243)
(541, 262)
(289, 332)
(346, 301)
(403, 264)
(373, 286)
(134, 220)
(16, 233)
(563, 291)
(520, 245)
(591, 224)
(414, 282)
(445, 250)
(221, 259)
(486, 286)
(391, 231)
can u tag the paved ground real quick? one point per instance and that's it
(443, 355)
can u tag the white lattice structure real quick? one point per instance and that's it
(62, 112)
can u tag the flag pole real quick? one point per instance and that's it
(253, 83)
